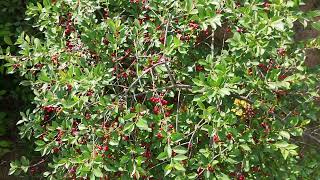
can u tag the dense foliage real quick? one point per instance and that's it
(167, 89)
(12, 97)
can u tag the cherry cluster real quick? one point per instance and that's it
(48, 112)
(160, 103)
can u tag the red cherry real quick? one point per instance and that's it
(266, 4)
(125, 138)
(69, 87)
(99, 147)
(193, 25)
(56, 150)
(281, 51)
(105, 41)
(147, 154)
(105, 13)
(167, 114)
(69, 15)
(255, 169)
(124, 75)
(105, 148)
(164, 102)
(54, 59)
(229, 136)
(69, 45)
(216, 138)
(264, 124)
(218, 11)
(210, 168)
(174, 154)
(282, 77)
(74, 131)
(250, 71)
(241, 177)
(67, 31)
(90, 92)
(159, 136)
(199, 171)
(15, 66)
(155, 99)
(46, 117)
(171, 126)
(156, 110)
(240, 30)
(199, 68)
(39, 65)
(161, 39)
(87, 116)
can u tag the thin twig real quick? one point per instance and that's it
(177, 86)
(178, 107)
(143, 73)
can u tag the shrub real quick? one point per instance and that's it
(166, 89)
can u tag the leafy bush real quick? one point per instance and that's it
(166, 89)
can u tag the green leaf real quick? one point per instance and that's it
(215, 21)
(277, 85)
(114, 142)
(168, 169)
(7, 40)
(176, 41)
(25, 168)
(285, 134)
(97, 172)
(316, 25)
(46, 174)
(112, 25)
(169, 150)
(69, 104)
(24, 161)
(12, 170)
(179, 167)
(176, 137)
(180, 157)
(224, 92)
(82, 127)
(129, 116)
(5, 144)
(198, 82)
(285, 153)
(162, 156)
(201, 105)
(278, 25)
(37, 42)
(313, 14)
(143, 124)
(129, 127)
(180, 150)
(3, 92)
(40, 143)
(281, 144)
(245, 147)
(188, 5)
